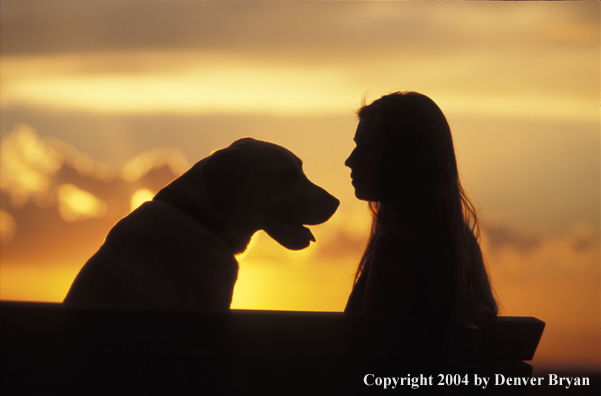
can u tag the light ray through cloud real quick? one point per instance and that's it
(212, 83)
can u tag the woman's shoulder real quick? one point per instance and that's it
(397, 244)
(393, 278)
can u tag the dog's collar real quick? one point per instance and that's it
(188, 207)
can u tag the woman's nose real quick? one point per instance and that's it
(349, 160)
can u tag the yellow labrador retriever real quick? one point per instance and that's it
(178, 250)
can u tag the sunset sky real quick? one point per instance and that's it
(104, 102)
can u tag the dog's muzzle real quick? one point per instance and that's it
(285, 222)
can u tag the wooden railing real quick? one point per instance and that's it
(52, 349)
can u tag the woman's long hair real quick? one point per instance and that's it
(420, 171)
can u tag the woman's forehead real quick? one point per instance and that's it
(367, 131)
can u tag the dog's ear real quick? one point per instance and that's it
(223, 173)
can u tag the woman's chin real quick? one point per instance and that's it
(365, 195)
(365, 192)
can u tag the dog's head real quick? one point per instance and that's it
(265, 186)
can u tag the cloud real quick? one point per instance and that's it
(187, 83)
(499, 237)
(76, 204)
(27, 165)
(87, 26)
(53, 194)
(553, 277)
(325, 27)
(299, 58)
(8, 227)
(528, 251)
(196, 82)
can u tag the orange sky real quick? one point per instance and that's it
(92, 94)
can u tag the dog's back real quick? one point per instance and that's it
(158, 256)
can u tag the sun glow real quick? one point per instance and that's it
(36, 281)
(76, 204)
(140, 196)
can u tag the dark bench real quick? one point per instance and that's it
(53, 349)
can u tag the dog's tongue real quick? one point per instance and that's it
(291, 236)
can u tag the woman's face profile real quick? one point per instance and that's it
(365, 162)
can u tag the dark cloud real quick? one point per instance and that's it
(343, 244)
(500, 236)
(89, 26)
(68, 26)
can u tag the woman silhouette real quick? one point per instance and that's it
(423, 258)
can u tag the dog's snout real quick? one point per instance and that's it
(332, 203)
(324, 207)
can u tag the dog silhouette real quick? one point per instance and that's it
(178, 249)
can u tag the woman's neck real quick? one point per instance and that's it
(394, 214)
